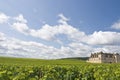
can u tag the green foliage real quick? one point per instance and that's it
(30, 69)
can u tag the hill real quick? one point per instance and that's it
(29, 61)
(76, 58)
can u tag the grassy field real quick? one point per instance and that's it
(60, 69)
(29, 61)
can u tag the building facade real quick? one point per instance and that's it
(101, 57)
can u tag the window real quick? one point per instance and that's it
(106, 55)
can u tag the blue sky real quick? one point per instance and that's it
(57, 29)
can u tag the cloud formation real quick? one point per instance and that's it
(63, 19)
(30, 49)
(116, 25)
(48, 32)
(80, 43)
(2, 38)
(20, 19)
(3, 18)
(21, 27)
(103, 38)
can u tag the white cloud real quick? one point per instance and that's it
(3, 18)
(113, 48)
(2, 38)
(48, 32)
(21, 27)
(80, 43)
(103, 38)
(116, 25)
(20, 19)
(80, 46)
(20, 24)
(18, 48)
(108, 49)
(63, 19)
(81, 49)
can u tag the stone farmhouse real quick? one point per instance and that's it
(101, 57)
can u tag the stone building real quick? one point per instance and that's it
(101, 57)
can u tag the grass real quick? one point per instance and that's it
(28, 61)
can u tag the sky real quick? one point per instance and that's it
(48, 29)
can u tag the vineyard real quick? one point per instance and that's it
(30, 69)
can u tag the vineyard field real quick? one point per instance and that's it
(68, 69)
